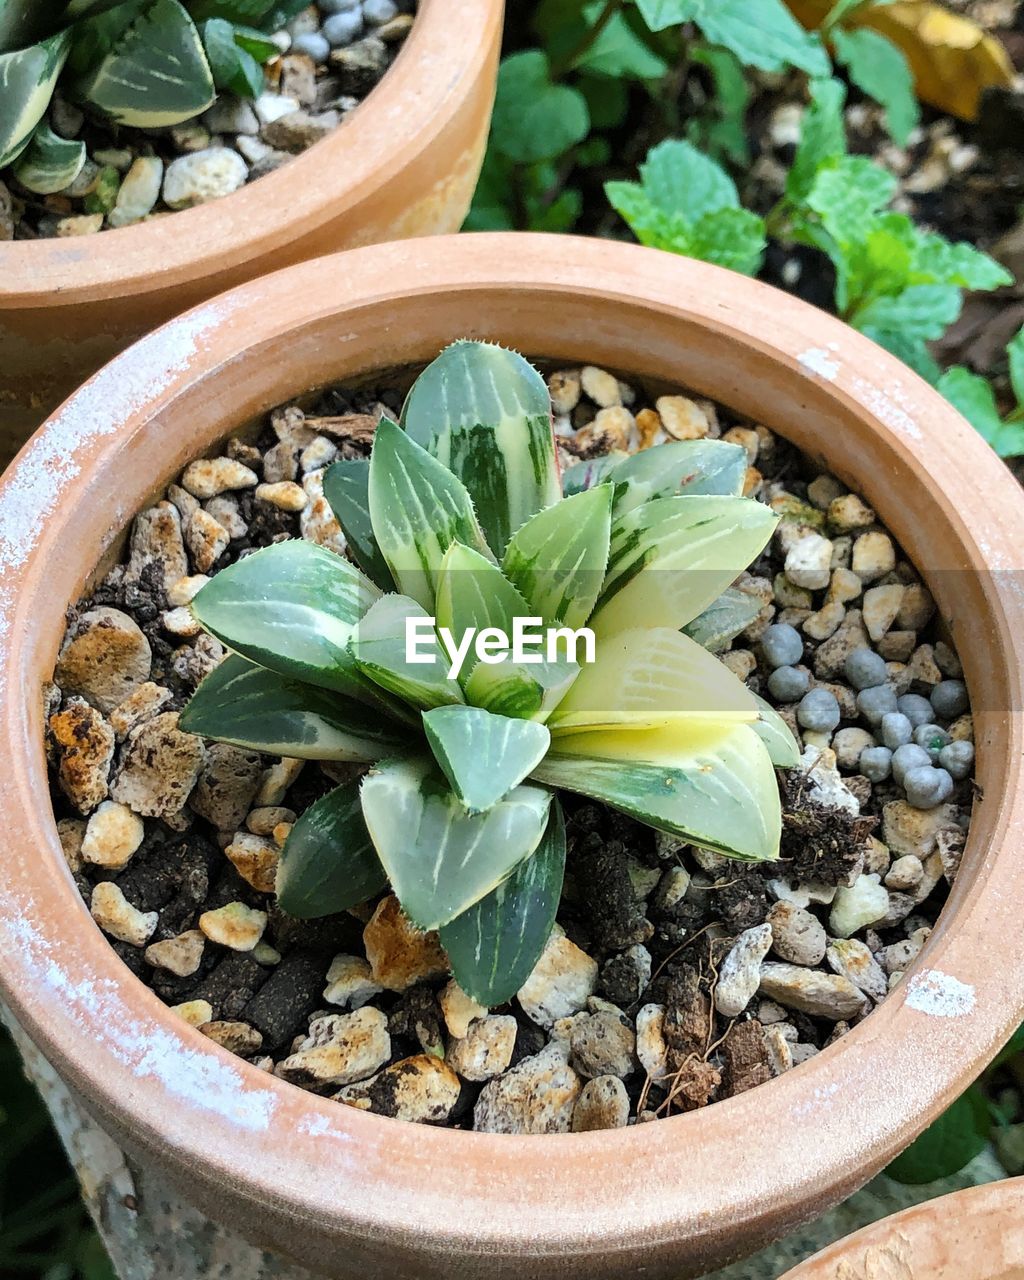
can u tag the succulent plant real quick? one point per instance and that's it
(146, 63)
(457, 525)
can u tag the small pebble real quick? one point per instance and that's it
(876, 763)
(739, 972)
(116, 916)
(909, 756)
(918, 710)
(603, 1104)
(286, 495)
(896, 730)
(957, 758)
(342, 28)
(865, 669)
(112, 836)
(235, 925)
(949, 699)
(927, 786)
(602, 387)
(202, 176)
(849, 744)
(313, 45)
(932, 738)
(864, 903)
(904, 874)
(876, 702)
(782, 645)
(809, 563)
(379, 11)
(819, 711)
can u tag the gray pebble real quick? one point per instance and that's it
(949, 698)
(957, 758)
(379, 11)
(918, 710)
(788, 684)
(927, 786)
(865, 669)
(875, 763)
(876, 702)
(932, 737)
(782, 645)
(896, 730)
(906, 758)
(313, 45)
(342, 28)
(819, 711)
(337, 6)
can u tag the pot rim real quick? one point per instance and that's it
(749, 1169)
(404, 115)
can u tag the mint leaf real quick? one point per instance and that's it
(948, 1144)
(659, 14)
(733, 238)
(975, 399)
(923, 311)
(493, 200)
(725, 133)
(618, 52)
(533, 118)
(847, 192)
(1015, 351)
(941, 262)
(822, 136)
(879, 68)
(680, 180)
(763, 35)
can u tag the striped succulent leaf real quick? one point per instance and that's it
(292, 607)
(672, 557)
(154, 74)
(379, 646)
(418, 509)
(776, 735)
(650, 678)
(714, 785)
(347, 489)
(558, 558)
(252, 707)
(27, 80)
(440, 858)
(49, 162)
(692, 467)
(485, 413)
(723, 619)
(591, 472)
(328, 863)
(494, 946)
(482, 755)
(530, 692)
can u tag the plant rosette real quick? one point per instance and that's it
(623, 305)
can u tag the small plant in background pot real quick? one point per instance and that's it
(460, 527)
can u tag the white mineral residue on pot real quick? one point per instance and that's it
(819, 360)
(887, 406)
(196, 1077)
(940, 995)
(35, 487)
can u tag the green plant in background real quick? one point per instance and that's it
(974, 397)
(144, 63)
(458, 521)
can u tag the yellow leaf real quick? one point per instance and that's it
(952, 59)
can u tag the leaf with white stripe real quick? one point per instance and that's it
(714, 785)
(558, 558)
(671, 557)
(724, 619)
(651, 678)
(440, 858)
(49, 163)
(694, 467)
(418, 509)
(494, 946)
(524, 692)
(776, 736)
(27, 81)
(483, 755)
(485, 412)
(328, 863)
(292, 607)
(379, 643)
(251, 707)
(347, 490)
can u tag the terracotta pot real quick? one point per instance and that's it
(977, 1234)
(357, 1195)
(406, 164)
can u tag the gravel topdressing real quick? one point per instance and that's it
(675, 977)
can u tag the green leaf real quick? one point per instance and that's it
(558, 558)
(473, 593)
(939, 261)
(440, 858)
(713, 785)
(822, 136)
(246, 11)
(524, 692)
(256, 43)
(763, 35)
(485, 413)
(879, 69)
(911, 350)
(659, 14)
(618, 52)
(291, 607)
(347, 490)
(694, 467)
(1015, 352)
(379, 642)
(948, 1144)
(672, 557)
(251, 707)
(534, 119)
(733, 238)
(846, 192)
(678, 179)
(234, 69)
(922, 311)
(27, 80)
(974, 398)
(723, 620)
(328, 863)
(49, 163)
(156, 74)
(776, 735)
(482, 755)
(418, 508)
(494, 946)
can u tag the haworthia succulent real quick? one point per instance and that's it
(379, 644)
(49, 163)
(482, 755)
(27, 80)
(695, 467)
(494, 946)
(485, 413)
(776, 735)
(347, 489)
(724, 619)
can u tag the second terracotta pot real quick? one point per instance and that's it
(354, 1195)
(405, 164)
